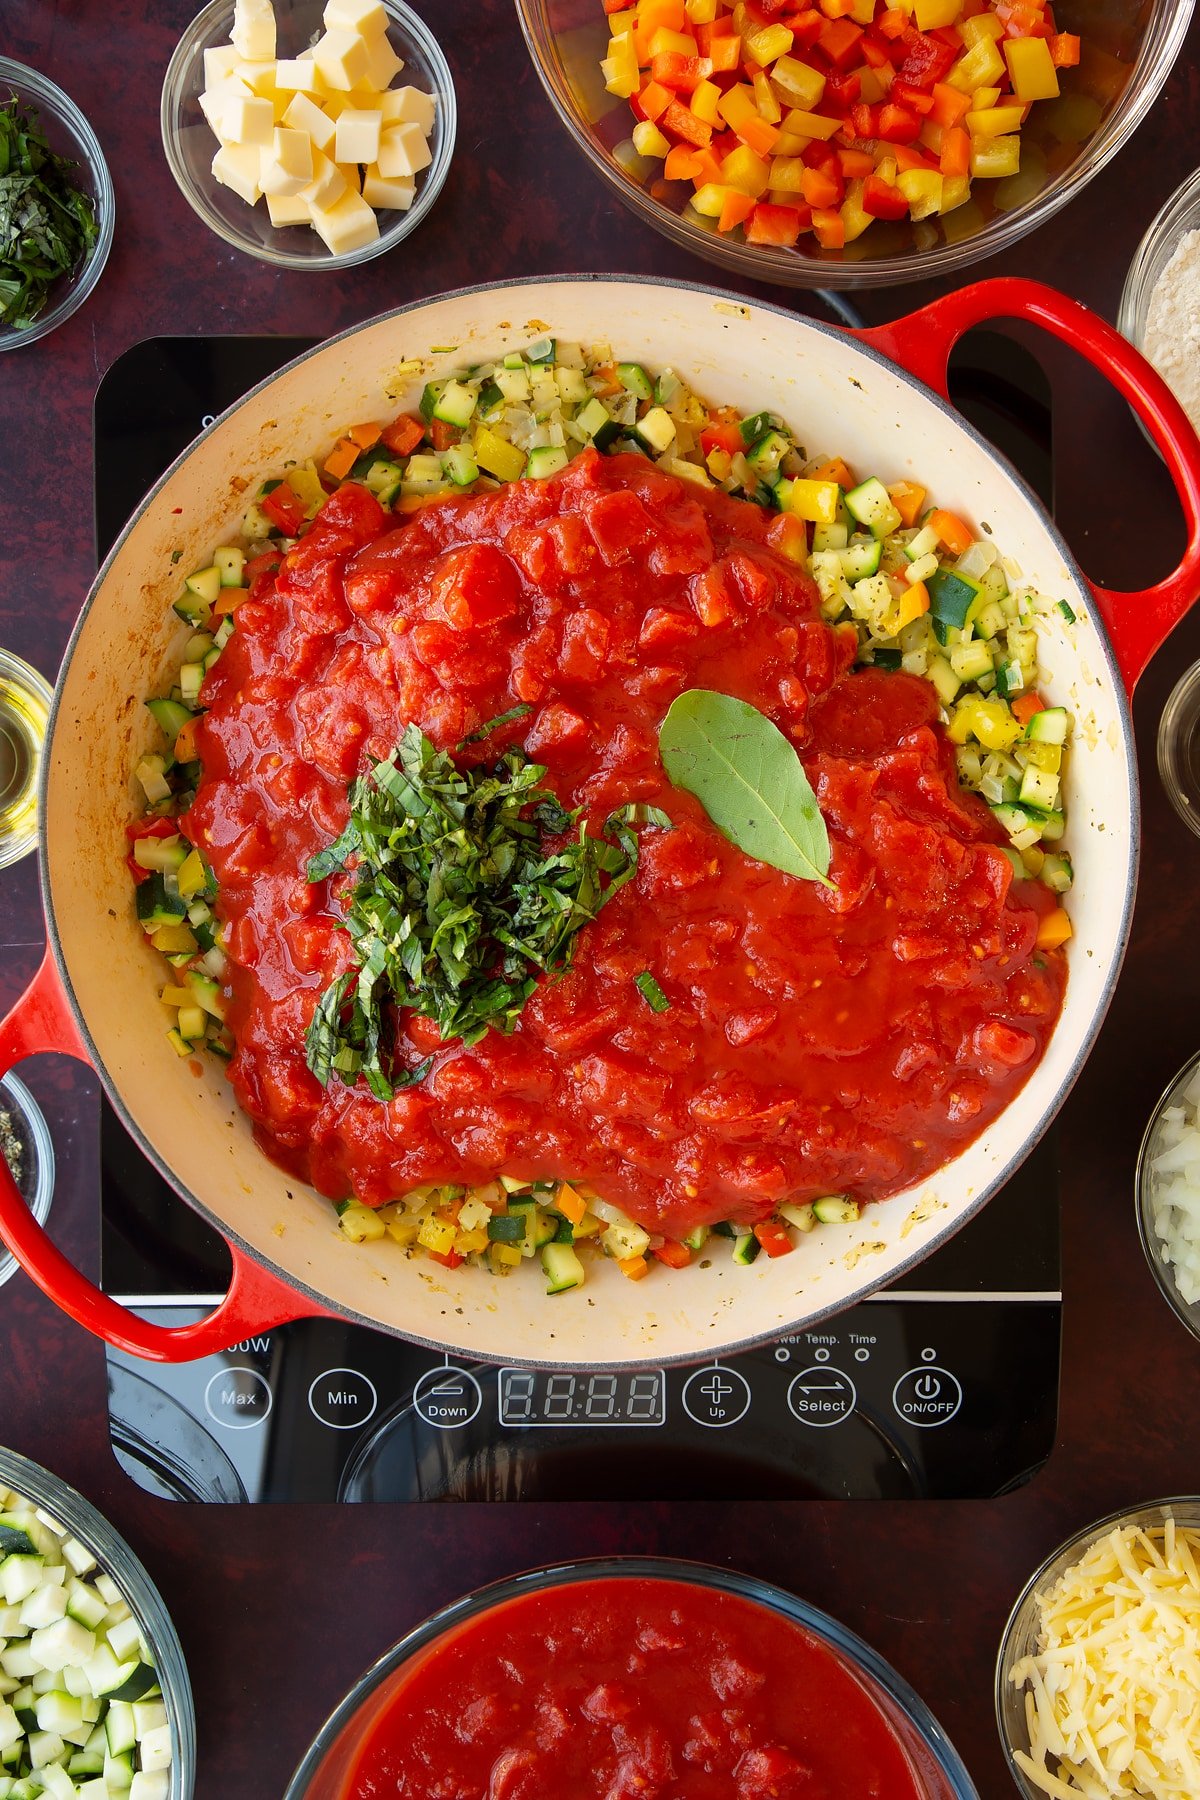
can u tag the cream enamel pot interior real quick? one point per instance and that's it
(96, 995)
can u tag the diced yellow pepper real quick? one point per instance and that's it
(648, 140)
(504, 1256)
(437, 1234)
(497, 455)
(862, 11)
(764, 98)
(802, 85)
(997, 121)
(993, 158)
(192, 877)
(810, 124)
(174, 940)
(718, 462)
(179, 1045)
(622, 76)
(854, 219)
(359, 1223)
(305, 483)
(701, 12)
(786, 175)
(704, 101)
(984, 98)
(932, 15)
(1043, 756)
(816, 501)
(748, 173)
(710, 199)
(664, 43)
(980, 66)
(955, 189)
(983, 25)
(1031, 67)
(993, 723)
(467, 1243)
(621, 23)
(922, 188)
(176, 996)
(764, 46)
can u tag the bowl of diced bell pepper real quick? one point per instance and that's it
(850, 143)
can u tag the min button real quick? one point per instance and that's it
(342, 1399)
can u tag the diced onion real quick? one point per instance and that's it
(1173, 1187)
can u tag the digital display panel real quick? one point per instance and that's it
(545, 1397)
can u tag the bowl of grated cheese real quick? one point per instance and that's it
(1160, 302)
(1099, 1666)
(1167, 1185)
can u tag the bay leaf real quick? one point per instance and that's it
(749, 780)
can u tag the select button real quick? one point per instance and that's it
(342, 1399)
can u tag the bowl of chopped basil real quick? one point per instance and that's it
(56, 206)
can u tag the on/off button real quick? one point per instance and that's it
(927, 1396)
(342, 1399)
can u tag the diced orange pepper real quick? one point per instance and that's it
(707, 167)
(1026, 705)
(830, 229)
(684, 124)
(725, 53)
(1053, 930)
(403, 434)
(1064, 49)
(789, 535)
(956, 536)
(779, 225)
(855, 165)
(680, 73)
(908, 499)
(740, 113)
(365, 435)
(676, 1256)
(955, 158)
(834, 470)
(341, 459)
(680, 164)
(185, 738)
(893, 23)
(949, 106)
(735, 209)
(605, 380)
(654, 99)
(633, 1267)
(612, 6)
(570, 1204)
(819, 189)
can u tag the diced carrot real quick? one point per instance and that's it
(341, 459)
(774, 1237)
(403, 434)
(1053, 930)
(735, 209)
(654, 99)
(633, 1267)
(834, 470)
(570, 1204)
(725, 53)
(680, 164)
(956, 152)
(684, 124)
(956, 536)
(676, 1256)
(1026, 705)
(185, 738)
(908, 499)
(365, 435)
(1064, 49)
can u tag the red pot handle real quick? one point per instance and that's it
(921, 343)
(257, 1300)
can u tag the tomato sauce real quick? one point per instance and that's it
(817, 1040)
(629, 1689)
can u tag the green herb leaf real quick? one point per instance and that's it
(468, 885)
(749, 780)
(651, 993)
(47, 224)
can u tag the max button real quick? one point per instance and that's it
(342, 1399)
(716, 1396)
(927, 1396)
(238, 1398)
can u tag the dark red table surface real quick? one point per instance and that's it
(279, 1608)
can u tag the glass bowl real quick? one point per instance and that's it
(1188, 1312)
(1179, 747)
(35, 1176)
(1180, 215)
(113, 1553)
(68, 133)
(190, 144)
(1020, 1634)
(1129, 47)
(935, 1766)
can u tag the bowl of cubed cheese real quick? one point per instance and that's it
(310, 135)
(95, 1702)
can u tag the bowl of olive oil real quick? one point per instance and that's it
(24, 711)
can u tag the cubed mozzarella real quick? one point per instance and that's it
(396, 195)
(356, 137)
(327, 185)
(409, 106)
(349, 224)
(403, 150)
(303, 114)
(248, 120)
(342, 57)
(237, 166)
(253, 33)
(367, 18)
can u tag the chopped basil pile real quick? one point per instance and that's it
(458, 903)
(47, 224)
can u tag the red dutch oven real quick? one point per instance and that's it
(876, 397)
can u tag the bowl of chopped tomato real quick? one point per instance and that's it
(849, 143)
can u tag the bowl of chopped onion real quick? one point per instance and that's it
(1167, 1185)
(1093, 1696)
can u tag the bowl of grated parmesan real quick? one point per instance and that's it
(1167, 1185)
(1099, 1666)
(1160, 303)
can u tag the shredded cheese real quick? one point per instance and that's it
(1112, 1697)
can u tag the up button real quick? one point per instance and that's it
(927, 1396)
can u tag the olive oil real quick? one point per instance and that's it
(24, 711)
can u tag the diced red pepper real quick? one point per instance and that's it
(284, 507)
(897, 124)
(676, 1256)
(830, 229)
(892, 22)
(442, 435)
(683, 123)
(876, 52)
(855, 164)
(403, 434)
(722, 437)
(841, 92)
(865, 120)
(152, 828)
(774, 1237)
(725, 53)
(673, 70)
(806, 27)
(910, 156)
(905, 94)
(262, 569)
(882, 200)
(449, 1259)
(779, 225)
(926, 59)
(839, 40)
